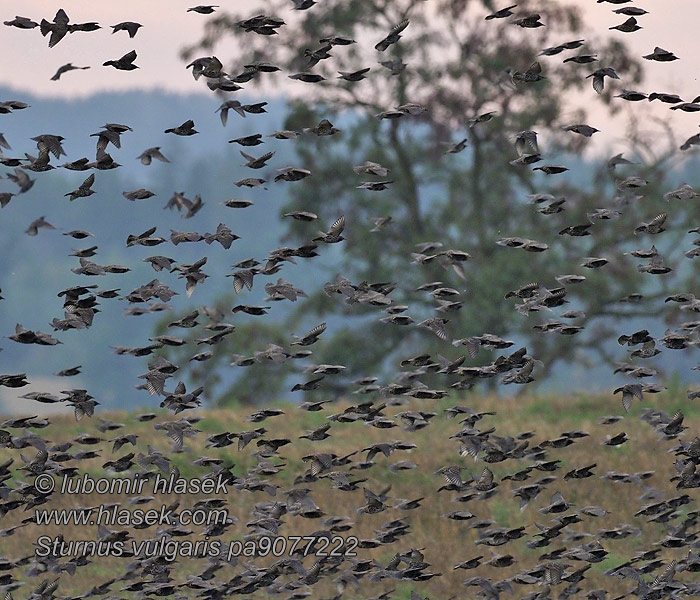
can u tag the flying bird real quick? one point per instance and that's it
(393, 37)
(129, 26)
(64, 69)
(125, 63)
(203, 9)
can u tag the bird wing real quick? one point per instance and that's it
(400, 27)
(337, 227)
(129, 57)
(87, 184)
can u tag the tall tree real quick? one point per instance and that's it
(443, 108)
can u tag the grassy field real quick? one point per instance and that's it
(447, 542)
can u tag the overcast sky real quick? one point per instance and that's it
(168, 26)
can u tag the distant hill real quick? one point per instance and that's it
(35, 269)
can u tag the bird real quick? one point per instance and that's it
(393, 36)
(147, 156)
(186, 129)
(582, 59)
(531, 21)
(617, 440)
(257, 163)
(358, 75)
(303, 4)
(65, 69)
(617, 160)
(599, 76)
(485, 481)
(203, 9)
(581, 129)
(130, 27)
(139, 194)
(48, 144)
(629, 26)
(84, 190)
(395, 66)
(532, 74)
(22, 23)
(558, 49)
(631, 95)
(311, 337)
(36, 224)
(501, 13)
(452, 475)
(125, 63)
(307, 77)
(631, 11)
(248, 140)
(655, 226)
(629, 392)
(58, 28)
(334, 233)
(660, 55)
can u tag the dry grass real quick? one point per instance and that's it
(446, 541)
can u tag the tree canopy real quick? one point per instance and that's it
(454, 147)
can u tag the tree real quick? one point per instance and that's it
(426, 95)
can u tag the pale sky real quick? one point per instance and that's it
(168, 27)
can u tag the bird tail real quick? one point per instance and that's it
(45, 27)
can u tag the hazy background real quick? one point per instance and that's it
(162, 94)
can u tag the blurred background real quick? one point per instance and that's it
(449, 61)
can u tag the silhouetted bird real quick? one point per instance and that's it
(125, 63)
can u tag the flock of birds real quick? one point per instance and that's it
(405, 402)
